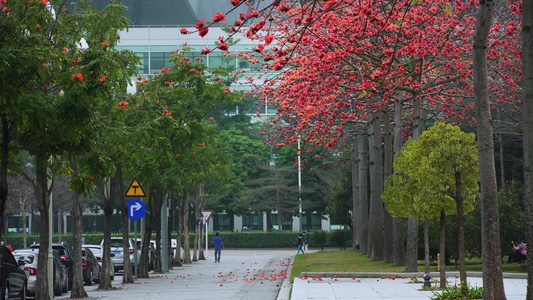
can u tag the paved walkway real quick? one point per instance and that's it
(263, 274)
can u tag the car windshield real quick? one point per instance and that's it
(116, 243)
(60, 250)
(27, 258)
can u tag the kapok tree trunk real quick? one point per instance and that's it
(412, 222)
(42, 193)
(363, 192)
(442, 249)
(398, 240)
(128, 272)
(490, 226)
(461, 232)
(388, 237)
(107, 198)
(527, 98)
(78, 290)
(356, 220)
(376, 188)
(178, 257)
(4, 149)
(197, 215)
(185, 220)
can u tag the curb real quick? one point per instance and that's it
(286, 286)
(407, 275)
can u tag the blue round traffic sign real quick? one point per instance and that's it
(136, 209)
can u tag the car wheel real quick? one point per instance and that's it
(24, 291)
(112, 274)
(89, 280)
(64, 287)
(97, 279)
(5, 292)
(58, 290)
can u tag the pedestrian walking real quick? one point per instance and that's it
(219, 244)
(304, 238)
(300, 244)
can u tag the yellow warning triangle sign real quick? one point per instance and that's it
(135, 190)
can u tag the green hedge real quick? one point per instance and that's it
(231, 239)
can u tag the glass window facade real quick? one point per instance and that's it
(252, 222)
(286, 222)
(221, 222)
(158, 61)
(316, 222)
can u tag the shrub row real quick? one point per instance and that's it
(318, 239)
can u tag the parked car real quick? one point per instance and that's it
(98, 252)
(31, 258)
(118, 250)
(13, 280)
(90, 267)
(66, 255)
(151, 253)
(174, 243)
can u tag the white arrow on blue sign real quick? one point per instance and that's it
(136, 209)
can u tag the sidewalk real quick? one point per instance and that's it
(386, 286)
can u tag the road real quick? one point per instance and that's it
(241, 274)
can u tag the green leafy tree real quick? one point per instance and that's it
(436, 174)
(173, 136)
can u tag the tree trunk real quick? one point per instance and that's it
(169, 231)
(201, 236)
(461, 232)
(128, 272)
(78, 290)
(388, 226)
(24, 233)
(197, 216)
(59, 224)
(398, 240)
(412, 222)
(4, 148)
(527, 98)
(442, 250)
(356, 220)
(42, 193)
(179, 236)
(107, 198)
(363, 192)
(490, 227)
(376, 188)
(155, 203)
(185, 217)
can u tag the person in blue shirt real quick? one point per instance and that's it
(218, 246)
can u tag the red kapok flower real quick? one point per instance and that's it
(219, 17)
(203, 32)
(184, 31)
(200, 24)
(223, 46)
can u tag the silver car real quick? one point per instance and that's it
(98, 252)
(118, 250)
(30, 258)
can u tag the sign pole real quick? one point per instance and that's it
(207, 215)
(135, 251)
(206, 256)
